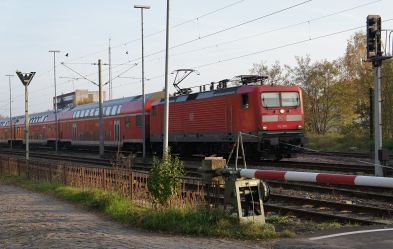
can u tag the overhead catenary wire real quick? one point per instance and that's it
(266, 50)
(223, 60)
(270, 31)
(175, 26)
(318, 18)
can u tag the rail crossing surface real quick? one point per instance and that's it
(34, 220)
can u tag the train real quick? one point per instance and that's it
(270, 119)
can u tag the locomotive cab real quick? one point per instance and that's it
(282, 122)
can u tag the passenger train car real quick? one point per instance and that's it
(78, 127)
(270, 118)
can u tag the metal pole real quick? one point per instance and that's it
(143, 91)
(143, 82)
(54, 69)
(26, 79)
(166, 111)
(371, 114)
(110, 71)
(101, 122)
(9, 80)
(27, 123)
(377, 120)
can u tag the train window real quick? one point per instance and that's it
(245, 101)
(91, 135)
(114, 110)
(91, 113)
(74, 115)
(108, 111)
(82, 113)
(138, 120)
(118, 110)
(96, 112)
(107, 135)
(87, 113)
(270, 99)
(289, 99)
(153, 110)
(77, 114)
(127, 122)
(68, 126)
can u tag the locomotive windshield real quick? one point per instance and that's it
(280, 99)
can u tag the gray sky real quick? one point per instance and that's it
(220, 39)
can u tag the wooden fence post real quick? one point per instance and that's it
(38, 170)
(132, 184)
(50, 172)
(104, 179)
(64, 175)
(83, 177)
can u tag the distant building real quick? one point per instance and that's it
(67, 100)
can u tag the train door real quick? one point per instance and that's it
(43, 133)
(6, 134)
(117, 132)
(161, 124)
(74, 132)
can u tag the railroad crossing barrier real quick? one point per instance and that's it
(248, 184)
(371, 181)
(237, 188)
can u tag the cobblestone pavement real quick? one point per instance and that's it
(34, 220)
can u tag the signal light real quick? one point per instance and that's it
(374, 43)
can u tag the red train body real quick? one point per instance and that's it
(78, 127)
(269, 117)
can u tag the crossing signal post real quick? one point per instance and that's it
(26, 79)
(374, 44)
(376, 56)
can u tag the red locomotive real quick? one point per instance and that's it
(269, 117)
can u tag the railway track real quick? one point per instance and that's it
(341, 154)
(280, 204)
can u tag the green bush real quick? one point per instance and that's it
(164, 182)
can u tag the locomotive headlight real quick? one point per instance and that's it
(264, 127)
(282, 111)
(299, 126)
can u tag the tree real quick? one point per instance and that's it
(62, 104)
(318, 81)
(274, 72)
(387, 98)
(356, 81)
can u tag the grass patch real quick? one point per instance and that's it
(339, 143)
(192, 221)
(344, 143)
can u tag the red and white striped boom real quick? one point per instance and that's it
(385, 182)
